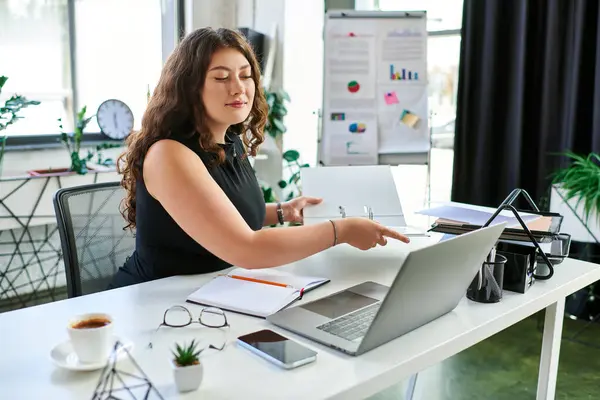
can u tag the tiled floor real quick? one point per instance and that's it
(505, 366)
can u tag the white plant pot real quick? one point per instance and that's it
(572, 221)
(188, 378)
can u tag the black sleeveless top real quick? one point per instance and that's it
(162, 248)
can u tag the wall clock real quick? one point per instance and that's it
(115, 119)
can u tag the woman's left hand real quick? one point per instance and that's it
(292, 209)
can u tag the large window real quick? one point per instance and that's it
(444, 21)
(442, 15)
(34, 55)
(442, 64)
(117, 55)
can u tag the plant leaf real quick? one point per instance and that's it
(291, 155)
(295, 177)
(581, 181)
(285, 95)
(279, 126)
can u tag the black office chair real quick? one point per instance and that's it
(94, 243)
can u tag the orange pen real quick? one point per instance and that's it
(245, 278)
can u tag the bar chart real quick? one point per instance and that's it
(403, 74)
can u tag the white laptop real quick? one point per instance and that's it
(355, 191)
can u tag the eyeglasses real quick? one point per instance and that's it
(179, 317)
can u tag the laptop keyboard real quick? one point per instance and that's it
(352, 326)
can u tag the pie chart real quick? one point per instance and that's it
(353, 87)
(357, 127)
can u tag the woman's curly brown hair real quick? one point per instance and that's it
(176, 107)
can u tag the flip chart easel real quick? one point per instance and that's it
(375, 103)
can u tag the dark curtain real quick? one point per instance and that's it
(529, 87)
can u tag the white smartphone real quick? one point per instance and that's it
(277, 349)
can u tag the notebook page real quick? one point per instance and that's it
(274, 275)
(243, 296)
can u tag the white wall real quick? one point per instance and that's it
(213, 13)
(303, 75)
(268, 16)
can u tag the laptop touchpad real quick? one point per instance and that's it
(339, 304)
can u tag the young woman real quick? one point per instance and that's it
(192, 196)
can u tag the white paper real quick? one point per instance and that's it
(351, 67)
(396, 136)
(476, 215)
(402, 55)
(355, 188)
(243, 296)
(403, 39)
(352, 138)
(364, 59)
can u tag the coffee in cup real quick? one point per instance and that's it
(91, 337)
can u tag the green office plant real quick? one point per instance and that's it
(292, 167)
(581, 181)
(72, 143)
(187, 369)
(275, 127)
(277, 111)
(9, 114)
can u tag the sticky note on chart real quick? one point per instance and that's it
(391, 98)
(409, 119)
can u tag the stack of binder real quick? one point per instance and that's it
(529, 239)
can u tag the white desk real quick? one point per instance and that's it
(26, 337)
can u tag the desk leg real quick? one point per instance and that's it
(410, 390)
(553, 324)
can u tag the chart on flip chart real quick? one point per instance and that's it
(375, 87)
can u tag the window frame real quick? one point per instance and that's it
(172, 22)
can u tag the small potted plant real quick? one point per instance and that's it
(187, 368)
(9, 114)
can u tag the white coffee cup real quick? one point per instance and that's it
(91, 340)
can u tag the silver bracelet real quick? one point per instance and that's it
(335, 239)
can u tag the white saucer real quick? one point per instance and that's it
(64, 356)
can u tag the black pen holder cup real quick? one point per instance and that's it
(486, 287)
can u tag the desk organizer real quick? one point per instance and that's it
(520, 266)
(487, 285)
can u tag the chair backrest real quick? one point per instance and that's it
(94, 243)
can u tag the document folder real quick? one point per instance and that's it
(352, 191)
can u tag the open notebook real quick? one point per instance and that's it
(255, 292)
